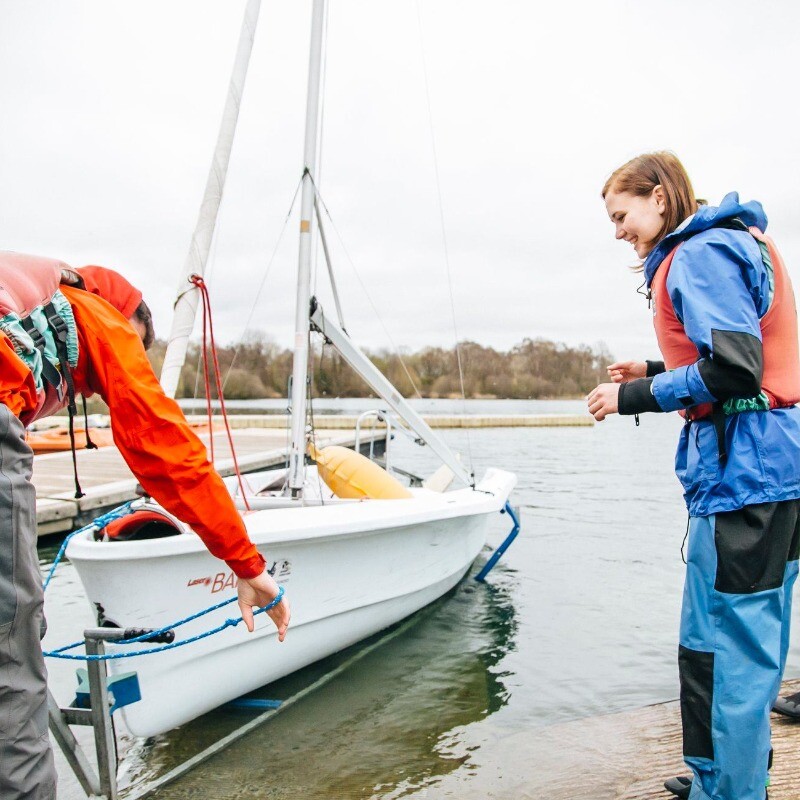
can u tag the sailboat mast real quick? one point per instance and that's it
(188, 296)
(302, 310)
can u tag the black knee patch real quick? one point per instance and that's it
(794, 547)
(697, 691)
(753, 545)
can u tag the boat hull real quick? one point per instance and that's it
(349, 573)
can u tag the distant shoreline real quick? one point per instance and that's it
(534, 369)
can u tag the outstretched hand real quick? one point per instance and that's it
(260, 591)
(603, 400)
(624, 371)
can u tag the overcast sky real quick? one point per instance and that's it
(109, 113)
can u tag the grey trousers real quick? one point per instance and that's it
(26, 760)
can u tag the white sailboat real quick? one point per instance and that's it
(351, 568)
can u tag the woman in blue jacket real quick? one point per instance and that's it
(726, 323)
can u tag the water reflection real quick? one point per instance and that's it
(386, 727)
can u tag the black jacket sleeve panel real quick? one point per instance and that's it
(635, 397)
(655, 368)
(736, 367)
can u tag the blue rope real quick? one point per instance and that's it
(98, 524)
(156, 632)
(231, 622)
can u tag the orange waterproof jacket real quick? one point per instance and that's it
(17, 386)
(149, 428)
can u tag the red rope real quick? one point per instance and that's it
(207, 375)
(208, 328)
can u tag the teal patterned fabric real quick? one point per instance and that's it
(23, 344)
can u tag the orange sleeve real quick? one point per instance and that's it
(17, 387)
(152, 434)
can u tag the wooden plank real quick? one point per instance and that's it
(624, 756)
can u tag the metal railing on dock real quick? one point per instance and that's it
(101, 783)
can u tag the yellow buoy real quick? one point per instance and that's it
(350, 475)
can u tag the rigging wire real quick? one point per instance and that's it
(443, 226)
(321, 132)
(395, 348)
(288, 443)
(261, 285)
(313, 429)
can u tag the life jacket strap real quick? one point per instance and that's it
(49, 371)
(90, 445)
(59, 328)
(718, 416)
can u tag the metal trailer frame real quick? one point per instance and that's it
(102, 784)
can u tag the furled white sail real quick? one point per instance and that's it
(187, 296)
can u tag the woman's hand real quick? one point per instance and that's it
(603, 400)
(257, 592)
(624, 371)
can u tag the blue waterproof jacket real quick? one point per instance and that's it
(720, 288)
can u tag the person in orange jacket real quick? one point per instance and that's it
(163, 453)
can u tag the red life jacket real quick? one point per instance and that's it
(27, 282)
(38, 321)
(781, 353)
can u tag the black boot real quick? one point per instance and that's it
(788, 706)
(680, 786)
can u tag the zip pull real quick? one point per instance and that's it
(647, 294)
(685, 537)
(636, 419)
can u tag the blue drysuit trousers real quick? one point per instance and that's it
(734, 639)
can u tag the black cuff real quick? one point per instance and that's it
(655, 368)
(635, 397)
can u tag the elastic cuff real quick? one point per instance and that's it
(635, 397)
(655, 368)
(249, 567)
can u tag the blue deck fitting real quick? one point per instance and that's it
(488, 566)
(123, 689)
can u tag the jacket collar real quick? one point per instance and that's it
(706, 217)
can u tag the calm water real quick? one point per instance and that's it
(580, 618)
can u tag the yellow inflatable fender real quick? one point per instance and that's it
(350, 475)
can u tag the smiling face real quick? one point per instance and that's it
(639, 219)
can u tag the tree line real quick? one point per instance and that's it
(533, 369)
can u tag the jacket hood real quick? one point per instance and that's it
(751, 214)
